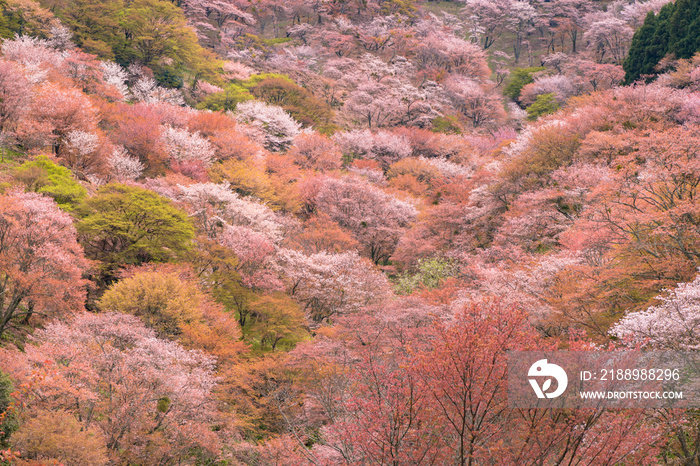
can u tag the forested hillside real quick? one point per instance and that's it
(307, 232)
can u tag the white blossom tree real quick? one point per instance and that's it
(329, 284)
(278, 128)
(674, 323)
(183, 146)
(122, 166)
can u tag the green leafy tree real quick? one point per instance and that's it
(431, 274)
(227, 99)
(24, 17)
(545, 104)
(684, 28)
(123, 225)
(43, 176)
(237, 92)
(152, 32)
(276, 319)
(8, 418)
(297, 101)
(95, 25)
(519, 78)
(158, 29)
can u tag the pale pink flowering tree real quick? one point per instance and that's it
(634, 13)
(236, 70)
(61, 38)
(150, 398)
(54, 112)
(690, 108)
(256, 255)
(568, 16)
(438, 47)
(376, 219)
(379, 94)
(214, 206)
(536, 219)
(204, 89)
(82, 143)
(486, 19)
(146, 89)
(388, 148)
(520, 22)
(561, 86)
(14, 94)
(673, 324)
(216, 19)
(355, 144)
(383, 146)
(41, 262)
(593, 75)
(374, 103)
(479, 105)
(249, 229)
(329, 284)
(315, 151)
(33, 53)
(81, 152)
(607, 36)
(449, 169)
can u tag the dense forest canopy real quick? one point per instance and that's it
(308, 232)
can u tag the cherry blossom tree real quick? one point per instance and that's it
(217, 22)
(14, 95)
(314, 151)
(278, 128)
(330, 284)
(40, 259)
(385, 147)
(375, 218)
(599, 76)
(607, 36)
(215, 206)
(54, 112)
(478, 105)
(124, 167)
(520, 22)
(255, 253)
(137, 128)
(34, 54)
(189, 153)
(150, 398)
(82, 152)
(486, 20)
(374, 103)
(634, 13)
(115, 76)
(565, 19)
(674, 323)
(561, 86)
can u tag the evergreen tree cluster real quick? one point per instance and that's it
(675, 30)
